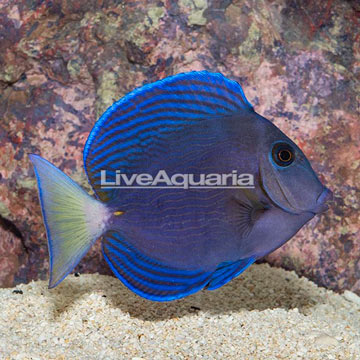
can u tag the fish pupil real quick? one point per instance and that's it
(282, 154)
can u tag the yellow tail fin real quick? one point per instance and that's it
(73, 219)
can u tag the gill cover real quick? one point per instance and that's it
(292, 185)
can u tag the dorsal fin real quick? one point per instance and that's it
(142, 119)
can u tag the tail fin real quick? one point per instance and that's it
(73, 219)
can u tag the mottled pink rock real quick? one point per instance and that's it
(13, 255)
(62, 63)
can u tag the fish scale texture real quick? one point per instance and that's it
(63, 64)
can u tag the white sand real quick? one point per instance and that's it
(266, 313)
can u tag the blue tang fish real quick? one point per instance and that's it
(166, 242)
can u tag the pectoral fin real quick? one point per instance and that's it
(247, 209)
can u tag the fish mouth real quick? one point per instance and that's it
(322, 202)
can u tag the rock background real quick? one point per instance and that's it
(63, 62)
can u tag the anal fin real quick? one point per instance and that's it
(227, 271)
(156, 281)
(148, 277)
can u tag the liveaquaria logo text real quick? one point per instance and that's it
(182, 181)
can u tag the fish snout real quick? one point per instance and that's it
(323, 200)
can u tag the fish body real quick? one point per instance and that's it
(166, 242)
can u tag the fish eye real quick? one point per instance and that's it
(283, 154)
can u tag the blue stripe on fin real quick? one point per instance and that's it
(147, 277)
(144, 266)
(177, 100)
(227, 271)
